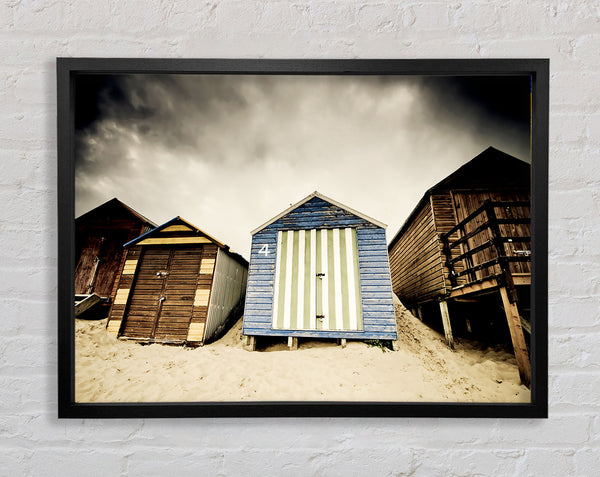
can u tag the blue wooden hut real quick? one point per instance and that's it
(319, 270)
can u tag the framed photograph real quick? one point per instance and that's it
(335, 238)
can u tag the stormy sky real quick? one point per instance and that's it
(229, 152)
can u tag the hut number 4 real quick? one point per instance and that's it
(264, 250)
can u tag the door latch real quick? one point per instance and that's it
(320, 275)
(162, 298)
(320, 317)
(162, 274)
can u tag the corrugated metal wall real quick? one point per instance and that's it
(375, 283)
(228, 288)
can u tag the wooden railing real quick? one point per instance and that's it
(473, 257)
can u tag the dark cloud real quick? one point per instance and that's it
(228, 152)
(171, 111)
(495, 108)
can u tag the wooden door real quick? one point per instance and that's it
(177, 298)
(109, 261)
(162, 298)
(87, 265)
(317, 285)
(99, 261)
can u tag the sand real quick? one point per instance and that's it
(422, 370)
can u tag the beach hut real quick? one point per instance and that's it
(99, 238)
(467, 238)
(178, 285)
(319, 270)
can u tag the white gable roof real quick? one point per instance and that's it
(326, 199)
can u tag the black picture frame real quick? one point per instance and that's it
(69, 68)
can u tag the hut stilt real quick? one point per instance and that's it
(516, 334)
(446, 324)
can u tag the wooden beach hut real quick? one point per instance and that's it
(319, 270)
(178, 285)
(99, 238)
(469, 237)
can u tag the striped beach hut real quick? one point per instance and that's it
(178, 285)
(319, 270)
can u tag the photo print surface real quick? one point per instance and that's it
(302, 238)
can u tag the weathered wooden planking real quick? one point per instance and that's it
(157, 301)
(176, 228)
(467, 202)
(420, 264)
(415, 259)
(450, 201)
(173, 240)
(164, 294)
(99, 237)
(445, 219)
(87, 303)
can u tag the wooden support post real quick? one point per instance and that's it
(292, 343)
(516, 335)
(420, 312)
(343, 342)
(249, 343)
(446, 323)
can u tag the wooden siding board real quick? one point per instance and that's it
(426, 243)
(415, 259)
(418, 233)
(425, 287)
(423, 260)
(144, 318)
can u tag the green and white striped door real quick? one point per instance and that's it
(317, 284)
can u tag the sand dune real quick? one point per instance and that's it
(423, 369)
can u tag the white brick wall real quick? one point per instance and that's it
(34, 442)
